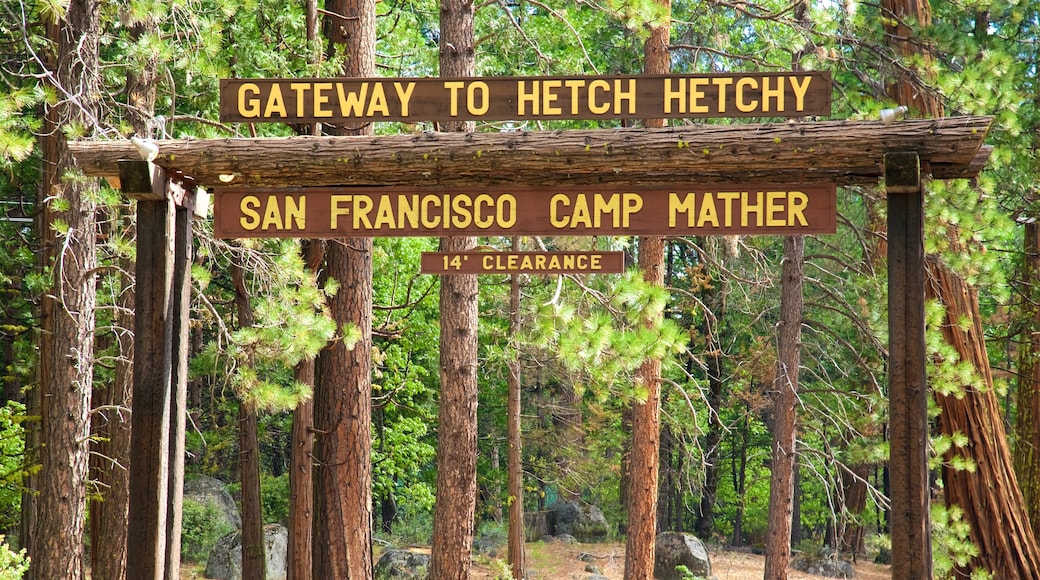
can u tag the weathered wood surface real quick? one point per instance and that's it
(847, 152)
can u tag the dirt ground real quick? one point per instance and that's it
(562, 562)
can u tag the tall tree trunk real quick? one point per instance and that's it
(301, 469)
(1027, 420)
(453, 517)
(253, 564)
(646, 414)
(705, 522)
(513, 431)
(343, 389)
(989, 495)
(57, 548)
(781, 483)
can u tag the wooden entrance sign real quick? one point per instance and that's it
(522, 263)
(699, 209)
(339, 100)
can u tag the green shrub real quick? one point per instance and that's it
(274, 495)
(201, 527)
(12, 564)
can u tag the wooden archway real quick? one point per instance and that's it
(843, 152)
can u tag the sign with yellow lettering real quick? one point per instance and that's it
(522, 262)
(338, 100)
(698, 209)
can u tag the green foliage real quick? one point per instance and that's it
(952, 547)
(12, 564)
(274, 495)
(12, 463)
(202, 525)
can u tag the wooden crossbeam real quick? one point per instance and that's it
(846, 152)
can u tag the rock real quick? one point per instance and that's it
(584, 522)
(536, 525)
(402, 564)
(593, 569)
(566, 539)
(829, 567)
(225, 560)
(206, 490)
(680, 549)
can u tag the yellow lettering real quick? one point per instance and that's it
(629, 95)
(596, 262)
(742, 85)
(321, 99)
(582, 262)
(678, 95)
(729, 197)
(776, 93)
(408, 211)
(506, 219)
(460, 205)
(554, 261)
(339, 207)
(385, 213)
(696, 95)
(296, 213)
(581, 212)
(430, 219)
(404, 94)
(487, 262)
(248, 107)
(796, 204)
(773, 207)
(549, 97)
(511, 261)
(747, 207)
(523, 97)
(378, 102)
(539, 261)
(362, 207)
(453, 103)
(708, 213)
(722, 83)
(471, 102)
(272, 217)
(479, 220)
(595, 105)
(554, 210)
(301, 90)
(350, 104)
(675, 206)
(799, 91)
(526, 263)
(250, 218)
(567, 261)
(601, 206)
(574, 85)
(631, 203)
(275, 102)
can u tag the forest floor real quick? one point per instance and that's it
(557, 561)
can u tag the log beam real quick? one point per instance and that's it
(846, 152)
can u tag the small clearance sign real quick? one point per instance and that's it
(522, 263)
(697, 209)
(338, 100)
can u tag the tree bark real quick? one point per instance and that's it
(56, 549)
(848, 152)
(514, 427)
(301, 470)
(1027, 420)
(990, 497)
(253, 564)
(343, 389)
(646, 414)
(781, 485)
(453, 517)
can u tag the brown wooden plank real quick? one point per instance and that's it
(692, 209)
(847, 152)
(445, 263)
(908, 385)
(340, 100)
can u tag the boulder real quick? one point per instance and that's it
(824, 566)
(536, 525)
(680, 549)
(402, 565)
(585, 522)
(206, 490)
(225, 560)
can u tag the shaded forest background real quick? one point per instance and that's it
(257, 309)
